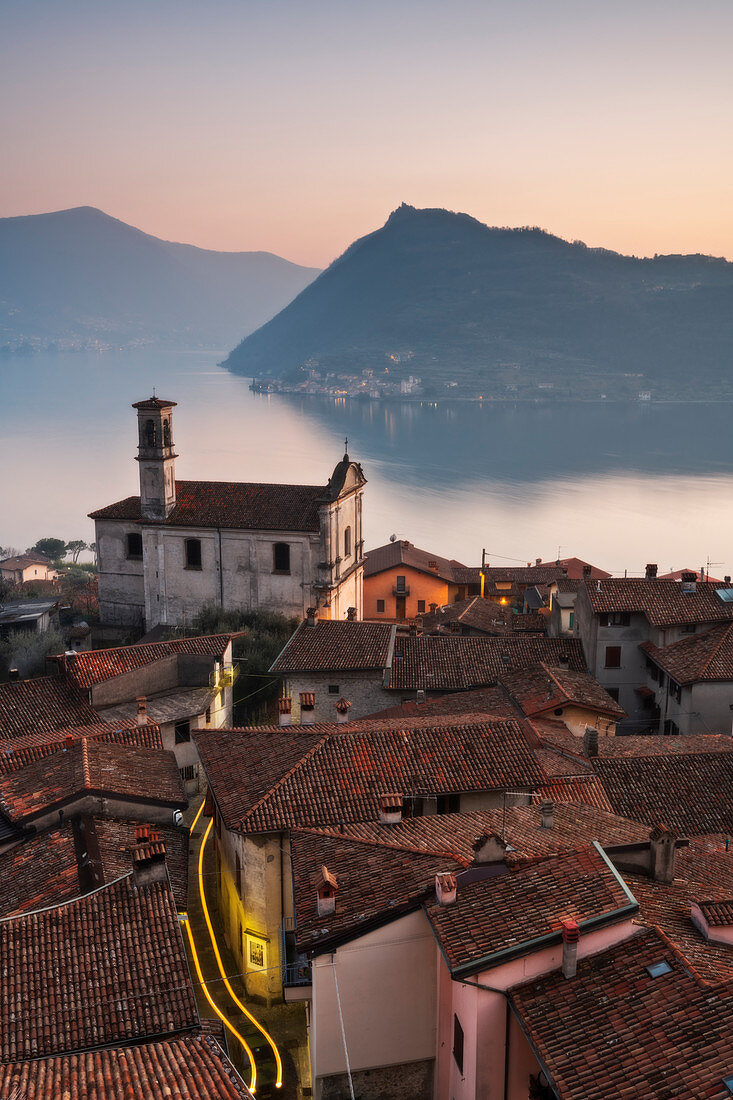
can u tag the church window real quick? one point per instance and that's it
(149, 433)
(193, 553)
(281, 557)
(347, 542)
(134, 545)
(166, 433)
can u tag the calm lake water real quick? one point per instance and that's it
(618, 485)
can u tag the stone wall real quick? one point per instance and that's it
(412, 1081)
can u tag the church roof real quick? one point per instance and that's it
(154, 403)
(232, 504)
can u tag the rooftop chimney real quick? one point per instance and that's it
(284, 711)
(662, 853)
(547, 814)
(142, 710)
(726, 580)
(538, 561)
(651, 572)
(688, 582)
(13, 675)
(445, 888)
(342, 710)
(570, 937)
(390, 809)
(587, 570)
(351, 614)
(326, 887)
(590, 741)
(420, 695)
(148, 857)
(563, 661)
(489, 848)
(310, 616)
(69, 741)
(307, 708)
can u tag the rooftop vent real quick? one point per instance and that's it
(445, 888)
(390, 809)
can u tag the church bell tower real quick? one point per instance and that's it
(156, 458)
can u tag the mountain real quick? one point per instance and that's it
(80, 277)
(494, 310)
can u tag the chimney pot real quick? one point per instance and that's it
(326, 888)
(587, 570)
(590, 741)
(726, 580)
(69, 741)
(310, 616)
(13, 675)
(390, 809)
(142, 710)
(342, 710)
(662, 854)
(445, 888)
(651, 572)
(563, 660)
(307, 708)
(570, 937)
(547, 812)
(351, 614)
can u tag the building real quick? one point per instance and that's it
(183, 545)
(27, 567)
(27, 617)
(691, 682)
(480, 616)
(576, 569)
(575, 698)
(401, 581)
(615, 618)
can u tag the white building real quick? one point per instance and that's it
(183, 545)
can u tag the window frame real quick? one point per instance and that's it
(612, 649)
(278, 549)
(347, 542)
(421, 607)
(380, 607)
(178, 737)
(188, 544)
(129, 556)
(334, 689)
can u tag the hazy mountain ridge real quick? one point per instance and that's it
(482, 305)
(80, 276)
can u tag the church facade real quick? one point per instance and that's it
(183, 545)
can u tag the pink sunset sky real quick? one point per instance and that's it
(295, 126)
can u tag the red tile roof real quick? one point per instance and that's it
(615, 1031)
(20, 752)
(107, 968)
(701, 657)
(191, 1068)
(574, 568)
(485, 616)
(663, 602)
(22, 561)
(441, 663)
(542, 687)
(94, 666)
(492, 700)
(718, 914)
(233, 505)
(494, 915)
(267, 782)
(689, 792)
(586, 789)
(123, 772)
(44, 704)
(332, 645)
(401, 552)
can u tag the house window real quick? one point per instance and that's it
(458, 1043)
(613, 692)
(616, 618)
(571, 620)
(380, 607)
(688, 628)
(208, 715)
(347, 542)
(401, 584)
(675, 690)
(333, 689)
(183, 732)
(281, 557)
(188, 774)
(613, 656)
(193, 553)
(134, 545)
(421, 607)
(448, 803)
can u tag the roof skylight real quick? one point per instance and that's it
(657, 969)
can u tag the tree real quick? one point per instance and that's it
(28, 651)
(75, 548)
(50, 548)
(8, 552)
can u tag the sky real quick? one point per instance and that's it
(296, 126)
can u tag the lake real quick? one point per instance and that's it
(615, 484)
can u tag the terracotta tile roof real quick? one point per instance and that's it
(20, 752)
(615, 1031)
(698, 873)
(338, 778)
(104, 969)
(49, 868)
(574, 826)
(568, 585)
(22, 561)
(94, 666)
(701, 657)
(574, 568)
(124, 772)
(441, 663)
(401, 552)
(542, 687)
(483, 615)
(689, 792)
(718, 914)
(43, 704)
(492, 700)
(335, 645)
(494, 914)
(587, 789)
(233, 505)
(544, 573)
(373, 881)
(677, 574)
(569, 745)
(191, 1068)
(663, 602)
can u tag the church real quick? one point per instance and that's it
(183, 545)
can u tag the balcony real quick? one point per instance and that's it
(398, 590)
(296, 969)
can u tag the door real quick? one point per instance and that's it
(401, 604)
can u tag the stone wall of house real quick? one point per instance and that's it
(362, 689)
(412, 1081)
(120, 579)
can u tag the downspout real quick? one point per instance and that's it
(221, 571)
